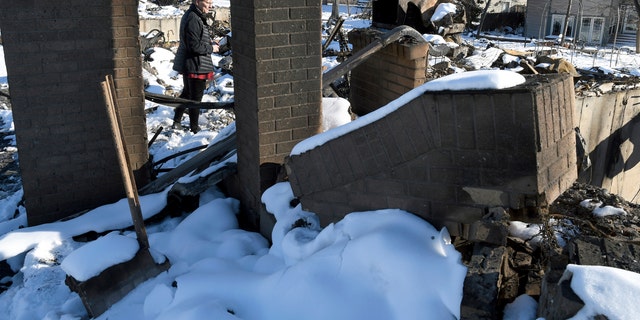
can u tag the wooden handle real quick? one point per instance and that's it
(108, 89)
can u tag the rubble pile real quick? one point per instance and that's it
(465, 56)
(9, 171)
(586, 225)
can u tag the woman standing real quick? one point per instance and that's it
(193, 59)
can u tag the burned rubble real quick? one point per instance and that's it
(503, 267)
(9, 171)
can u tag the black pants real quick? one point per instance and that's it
(193, 90)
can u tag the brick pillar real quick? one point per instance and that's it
(277, 73)
(57, 53)
(387, 74)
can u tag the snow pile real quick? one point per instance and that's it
(434, 38)
(599, 210)
(101, 255)
(523, 307)
(605, 291)
(482, 59)
(476, 80)
(338, 107)
(366, 266)
(363, 267)
(104, 218)
(443, 10)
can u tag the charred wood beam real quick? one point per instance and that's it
(201, 184)
(332, 35)
(214, 152)
(180, 102)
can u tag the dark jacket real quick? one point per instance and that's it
(194, 51)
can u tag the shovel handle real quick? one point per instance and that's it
(108, 89)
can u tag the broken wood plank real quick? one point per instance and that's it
(213, 152)
(186, 103)
(201, 184)
(108, 88)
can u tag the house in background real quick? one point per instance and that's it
(590, 22)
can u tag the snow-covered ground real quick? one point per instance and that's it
(385, 264)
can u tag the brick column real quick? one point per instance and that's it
(57, 53)
(277, 73)
(387, 74)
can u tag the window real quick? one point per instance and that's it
(591, 30)
(557, 23)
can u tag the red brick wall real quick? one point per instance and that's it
(57, 53)
(448, 156)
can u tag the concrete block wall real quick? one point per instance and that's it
(169, 26)
(57, 54)
(387, 74)
(277, 74)
(448, 156)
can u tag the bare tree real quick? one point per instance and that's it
(335, 11)
(566, 23)
(484, 14)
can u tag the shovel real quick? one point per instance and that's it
(100, 292)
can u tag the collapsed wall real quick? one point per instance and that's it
(448, 156)
(608, 123)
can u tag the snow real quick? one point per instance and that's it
(530, 232)
(338, 107)
(522, 308)
(436, 39)
(104, 252)
(481, 59)
(104, 218)
(442, 10)
(150, 10)
(385, 264)
(472, 80)
(599, 210)
(608, 211)
(607, 291)
(476, 80)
